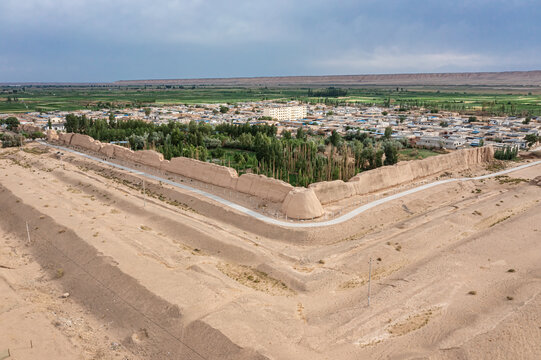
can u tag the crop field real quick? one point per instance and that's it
(463, 102)
(66, 98)
(415, 154)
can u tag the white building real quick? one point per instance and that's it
(430, 142)
(439, 142)
(453, 143)
(286, 112)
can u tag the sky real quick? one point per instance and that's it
(108, 40)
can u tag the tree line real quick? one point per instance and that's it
(300, 159)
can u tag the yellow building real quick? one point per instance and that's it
(283, 113)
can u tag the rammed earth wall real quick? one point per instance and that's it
(297, 203)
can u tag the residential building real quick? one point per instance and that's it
(283, 113)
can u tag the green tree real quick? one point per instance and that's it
(202, 153)
(335, 139)
(9, 140)
(262, 147)
(246, 141)
(49, 124)
(176, 136)
(224, 109)
(37, 135)
(506, 154)
(218, 153)
(286, 135)
(72, 123)
(531, 139)
(388, 132)
(390, 149)
(301, 134)
(137, 142)
(378, 158)
(12, 123)
(238, 157)
(84, 124)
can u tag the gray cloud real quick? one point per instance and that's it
(99, 40)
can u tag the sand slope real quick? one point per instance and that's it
(171, 273)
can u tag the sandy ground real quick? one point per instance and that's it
(38, 321)
(456, 273)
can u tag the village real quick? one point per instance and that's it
(270, 180)
(421, 127)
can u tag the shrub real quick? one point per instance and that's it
(37, 135)
(9, 140)
(506, 154)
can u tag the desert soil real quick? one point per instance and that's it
(456, 273)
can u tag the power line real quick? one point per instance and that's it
(126, 302)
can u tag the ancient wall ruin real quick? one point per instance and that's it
(302, 203)
(329, 191)
(297, 203)
(401, 173)
(257, 185)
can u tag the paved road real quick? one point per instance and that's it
(304, 224)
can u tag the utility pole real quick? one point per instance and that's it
(369, 278)
(28, 233)
(144, 195)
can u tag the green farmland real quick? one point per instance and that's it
(24, 99)
(69, 98)
(416, 154)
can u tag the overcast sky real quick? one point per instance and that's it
(107, 40)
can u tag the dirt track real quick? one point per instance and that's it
(152, 278)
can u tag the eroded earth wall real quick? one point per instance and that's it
(401, 173)
(257, 185)
(297, 203)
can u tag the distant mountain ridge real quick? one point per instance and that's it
(507, 78)
(491, 79)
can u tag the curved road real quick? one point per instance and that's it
(273, 221)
